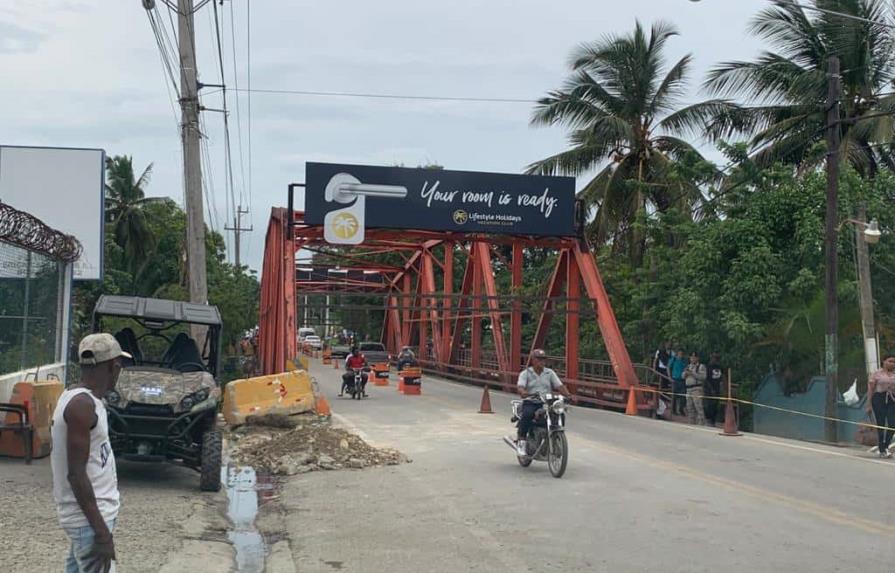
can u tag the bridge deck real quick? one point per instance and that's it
(639, 495)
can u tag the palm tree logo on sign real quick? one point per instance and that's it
(345, 226)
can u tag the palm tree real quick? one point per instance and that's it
(789, 85)
(622, 105)
(125, 199)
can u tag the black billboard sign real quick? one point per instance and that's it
(346, 199)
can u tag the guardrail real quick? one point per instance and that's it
(606, 392)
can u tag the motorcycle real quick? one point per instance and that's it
(356, 384)
(546, 441)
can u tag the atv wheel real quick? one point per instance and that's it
(210, 472)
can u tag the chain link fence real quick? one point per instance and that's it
(35, 295)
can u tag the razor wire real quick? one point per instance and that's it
(30, 233)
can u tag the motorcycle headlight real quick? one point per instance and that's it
(113, 397)
(559, 407)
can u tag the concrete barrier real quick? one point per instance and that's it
(285, 393)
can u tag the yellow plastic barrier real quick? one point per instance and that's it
(285, 393)
(41, 398)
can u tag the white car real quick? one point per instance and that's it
(313, 341)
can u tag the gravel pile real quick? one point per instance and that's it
(289, 445)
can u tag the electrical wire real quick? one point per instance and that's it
(386, 96)
(208, 180)
(840, 14)
(249, 86)
(163, 52)
(169, 40)
(228, 157)
(239, 139)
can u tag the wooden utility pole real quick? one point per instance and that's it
(238, 229)
(192, 172)
(831, 342)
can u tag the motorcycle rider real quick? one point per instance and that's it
(354, 360)
(535, 380)
(406, 358)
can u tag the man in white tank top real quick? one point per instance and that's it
(85, 482)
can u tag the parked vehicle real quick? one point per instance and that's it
(339, 349)
(304, 332)
(313, 341)
(165, 405)
(546, 442)
(375, 352)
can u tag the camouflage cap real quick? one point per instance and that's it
(99, 348)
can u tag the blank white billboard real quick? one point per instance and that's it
(65, 188)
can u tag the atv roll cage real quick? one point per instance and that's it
(156, 316)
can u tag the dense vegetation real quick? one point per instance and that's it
(145, 256)
(726, 258)
(731, 259)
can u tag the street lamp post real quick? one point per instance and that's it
(866, 234)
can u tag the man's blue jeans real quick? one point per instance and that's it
(81, 542)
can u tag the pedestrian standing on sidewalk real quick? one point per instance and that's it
(694, 377)
(660, 364)
(712, 389)
(677, 364)
(85, 481)
(881, 402)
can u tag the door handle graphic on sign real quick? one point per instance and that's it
(345, 225)
(345, 188)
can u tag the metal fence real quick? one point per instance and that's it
(35, 292)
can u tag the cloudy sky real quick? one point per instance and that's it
(87, 73)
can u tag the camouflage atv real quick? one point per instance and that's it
(165, 405)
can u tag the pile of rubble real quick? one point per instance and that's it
(289, 445)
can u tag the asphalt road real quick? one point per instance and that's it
(639, 495)
(165, 523)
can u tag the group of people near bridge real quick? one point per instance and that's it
(695, 386)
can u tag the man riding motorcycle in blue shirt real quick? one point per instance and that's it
(535, 380)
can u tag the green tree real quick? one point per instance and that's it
(622, 107)
(125, 203)
(789, 82)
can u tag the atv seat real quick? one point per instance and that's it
(128, 342)
(183, 355)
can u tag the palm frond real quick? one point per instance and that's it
(694, 119)
(672, 86)
(788, 26)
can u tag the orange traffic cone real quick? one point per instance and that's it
(485, 408)
(321, 406)
(631, 408)
(730, 421)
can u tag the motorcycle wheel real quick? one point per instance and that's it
(558, 457)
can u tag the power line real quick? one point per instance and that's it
(840, 14)
(208, 181)
(228, 157)
(239, 141)
(249, 86)
(387, 96)
(163, 52)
